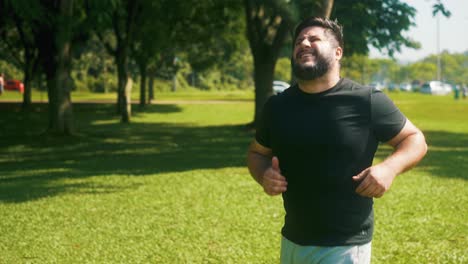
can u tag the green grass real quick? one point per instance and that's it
(192, 94)
(172, 187)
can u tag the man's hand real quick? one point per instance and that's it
(375, 181)
(272, 181)
(410, 147)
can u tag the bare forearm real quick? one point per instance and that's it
(257, 165)
(266, 171)
(409, 148)
(407, 153)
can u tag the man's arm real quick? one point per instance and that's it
(409, 148)
(264, 168)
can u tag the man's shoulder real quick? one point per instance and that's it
(351, 85)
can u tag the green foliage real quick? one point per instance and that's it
(216, 30)
(235, 73)
(379, 23)
(283, 69)
(10, 71)
(365, 70)
(439, 8)
(94, 70)
(354, 67)
(454, 67)
(104, 83)
(422, 71)
(210, 37)
(216, 80)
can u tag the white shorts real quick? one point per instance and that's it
(292, 253)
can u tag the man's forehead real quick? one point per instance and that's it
(312, 31)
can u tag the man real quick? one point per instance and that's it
(2, 83)
(315, 145)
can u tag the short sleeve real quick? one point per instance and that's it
(387, 120)
(262, 134)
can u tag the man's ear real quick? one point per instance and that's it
(339, 53)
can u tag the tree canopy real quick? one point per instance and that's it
(204, 43)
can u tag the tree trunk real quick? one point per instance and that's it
(128, 101)
(30, 56)
(143, 74)
(123, 99)
(174, 82)
(150, 88)
(326, 8)
(263, 79)
(28, 77)
(60, 106)
(266, 37)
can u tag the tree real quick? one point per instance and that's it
(48, 29)
(381, 24)
(18, 46)
(422, 71)
(149, 41)
(202, 33)
(54, 40)
(120, 18)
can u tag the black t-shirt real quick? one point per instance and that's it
(321, 141)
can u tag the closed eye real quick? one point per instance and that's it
(311, 39)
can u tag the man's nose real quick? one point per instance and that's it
(305, 42)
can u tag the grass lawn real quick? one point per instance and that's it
(172, 187)
(41, 96)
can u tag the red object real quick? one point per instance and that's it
(14, 85)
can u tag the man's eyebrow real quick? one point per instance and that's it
(308, 36)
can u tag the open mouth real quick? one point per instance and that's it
(305, 54)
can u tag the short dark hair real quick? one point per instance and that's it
(330, 26)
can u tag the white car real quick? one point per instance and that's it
(377, 86)
(406, 87)
(280, 86)
(436, 88)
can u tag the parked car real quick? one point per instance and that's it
(436, 88)
(14, 85)
(406, 87)
(280, 86)
(392, 87)
(377, 86)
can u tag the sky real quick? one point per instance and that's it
(453, 30)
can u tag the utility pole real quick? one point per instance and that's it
(438, 47)
(437, 9)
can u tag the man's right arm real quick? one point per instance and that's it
(264, 168)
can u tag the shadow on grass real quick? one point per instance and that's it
(31, 165)
(447, 154)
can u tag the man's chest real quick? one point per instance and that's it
(344, 125)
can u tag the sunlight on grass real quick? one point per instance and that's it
(111, 97)
(172, 187)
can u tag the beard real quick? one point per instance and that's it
(311, 72)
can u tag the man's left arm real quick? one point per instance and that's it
(409, 148)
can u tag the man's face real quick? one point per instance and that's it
(314, 53)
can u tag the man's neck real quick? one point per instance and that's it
(320, 84)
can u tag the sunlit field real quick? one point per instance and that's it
(173, 187)
(185, 94)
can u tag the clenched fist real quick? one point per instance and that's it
(272, 181)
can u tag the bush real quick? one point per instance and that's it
(283, 69)
(10, 71)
